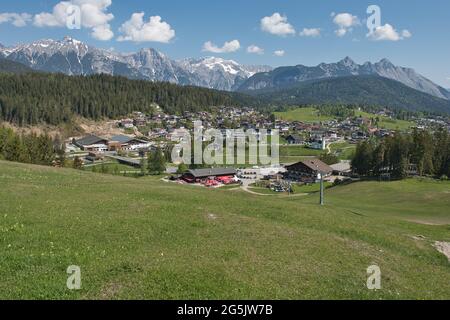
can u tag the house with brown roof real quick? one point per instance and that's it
(308, 170)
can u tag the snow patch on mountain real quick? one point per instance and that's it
(73, 57)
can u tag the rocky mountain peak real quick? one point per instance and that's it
(73, 57)
(348, 62)
(385, 63)
(71, 40)
(286, 76)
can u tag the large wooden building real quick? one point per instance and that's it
(126, 143)
(198, 175)
(308, 170)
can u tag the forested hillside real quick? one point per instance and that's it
(428, 151)
(355, 90)
(35, 98)
(13, 67)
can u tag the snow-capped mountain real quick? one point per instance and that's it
(218, 73)
(73, 57)
(286, 76)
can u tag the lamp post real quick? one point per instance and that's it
(321, 189)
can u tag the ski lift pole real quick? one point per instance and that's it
(321, 190)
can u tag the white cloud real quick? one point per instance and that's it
(406, 34)
(341, 32)
(137, 30)
(345, 23)
(46, 19)
(279, 53)
(230, 46)
(255, 49)
(346, 20)
(277, 24)
(102, 33)
(94, 16)
(388, 33)
(310, 32)
(16, 19)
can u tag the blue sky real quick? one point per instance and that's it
(412, 33)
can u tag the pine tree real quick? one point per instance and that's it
(143, 167)
(362, 159)
(36, 98)
(156, 162)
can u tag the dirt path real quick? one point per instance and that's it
(246, 189)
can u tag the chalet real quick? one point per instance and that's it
(92, 143)
(126, 143)
(179, 135)
(294, 139)
(359, 135)
(318, 144)
(308, 170)
(198, 175)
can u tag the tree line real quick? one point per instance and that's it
(34, 98)
(29, 148)
(355, 90)
(422, 151)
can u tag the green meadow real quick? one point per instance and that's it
(147, 239)
(311, 115)
(386, 122)
(308, 115)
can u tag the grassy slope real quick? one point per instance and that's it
(424, 200)
(310, 115)
(147, 239)
(343, 150)
(386, 122)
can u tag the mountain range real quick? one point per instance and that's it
(283, 77)
(368, 90)
(73, 57)
(332, 82)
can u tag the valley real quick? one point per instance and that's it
(97, 171)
